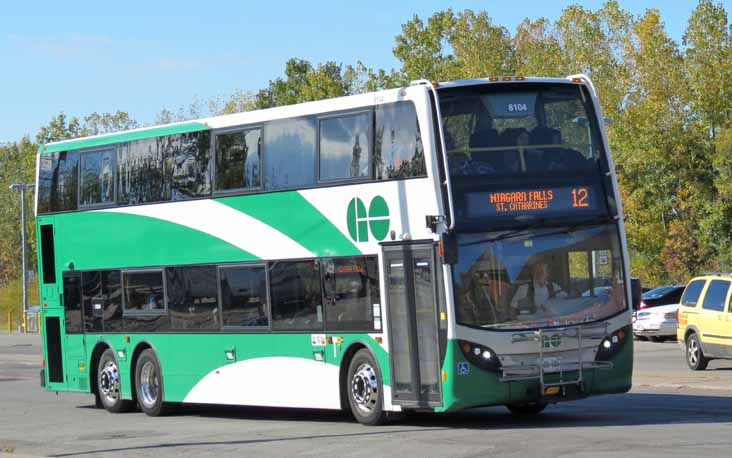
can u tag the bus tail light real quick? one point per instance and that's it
(643, 305)
(480, 355)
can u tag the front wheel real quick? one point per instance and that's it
(109, 391)
(529, 408)
(695, 358)
(365, 390)
(149, 386)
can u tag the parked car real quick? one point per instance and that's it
(656, 323)
(662, 295)
(705, 320)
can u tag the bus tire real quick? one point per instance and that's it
(109, 384)
(365, 390)
(149, 385)
(695, 358)
(529, 408)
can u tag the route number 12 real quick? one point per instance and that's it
(579, 197)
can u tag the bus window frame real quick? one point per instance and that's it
(254, 329)
(214, 177)
(370, 177)
(87, 151)
(137, 312)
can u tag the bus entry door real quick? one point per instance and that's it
(413, 323)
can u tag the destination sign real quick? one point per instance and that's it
(539, 201)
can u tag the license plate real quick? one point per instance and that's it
(552, 364)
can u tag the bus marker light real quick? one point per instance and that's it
(82, 367)
(444, 376)
(443, 316)
(552, 390)
(378, 339)
(506, 78)
(126, 339)
(520, 78)
(576, 80)
(493, 78)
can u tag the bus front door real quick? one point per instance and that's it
(413, 326)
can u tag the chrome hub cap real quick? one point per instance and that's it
(108, 382)
(365, 388)
(149, 385)
(693, 350)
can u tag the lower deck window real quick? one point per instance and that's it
(296, 296)
(144, 291)
(244, 296)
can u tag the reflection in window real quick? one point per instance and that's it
(97, 177)
(692, 292)
(538, 278)
(144, 291)
(398, 150)
(716, 296)
(238, 159)
(290, 153)
(192, 297)
(352, 294)
(72, 302)
(93, 301)
(57, 181)
(244, 296)
(296, 296)
(172, 167)
(344, 147)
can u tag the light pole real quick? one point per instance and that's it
(23, 187)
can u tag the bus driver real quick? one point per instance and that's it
(534, 296)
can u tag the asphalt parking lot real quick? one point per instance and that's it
(671, 411)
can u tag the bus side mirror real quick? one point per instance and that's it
(449, 248)
(636, 290)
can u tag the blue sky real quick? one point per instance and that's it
(140, 57)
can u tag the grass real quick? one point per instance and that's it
(11, 298)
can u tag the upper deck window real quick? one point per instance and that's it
(345, 150)
(504, 130)
(289, 147)
(238, 160)
(398, 150)
(58, 177)
(97, 178)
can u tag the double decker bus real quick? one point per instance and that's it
(433, 247)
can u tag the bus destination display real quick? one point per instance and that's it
(538, 201)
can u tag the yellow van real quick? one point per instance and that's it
(705, 320)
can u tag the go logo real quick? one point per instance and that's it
(360, 222)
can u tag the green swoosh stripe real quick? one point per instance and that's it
(291, 214)
(139, 241)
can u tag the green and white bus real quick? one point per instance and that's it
(434, 247)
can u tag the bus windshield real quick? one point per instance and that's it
(519, 129)
(533, 278)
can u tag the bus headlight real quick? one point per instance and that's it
(612, 344)
(480, 355)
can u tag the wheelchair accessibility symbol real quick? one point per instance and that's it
(463, 368)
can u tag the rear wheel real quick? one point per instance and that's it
(149, 385)
(109, 385)
(365, 390)
(529, 408)
(695, 358)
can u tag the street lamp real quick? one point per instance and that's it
(23, 187)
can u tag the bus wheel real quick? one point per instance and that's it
(365, 390)
(695, 358)
(108, 384)
(529, 408)
(149, 385)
